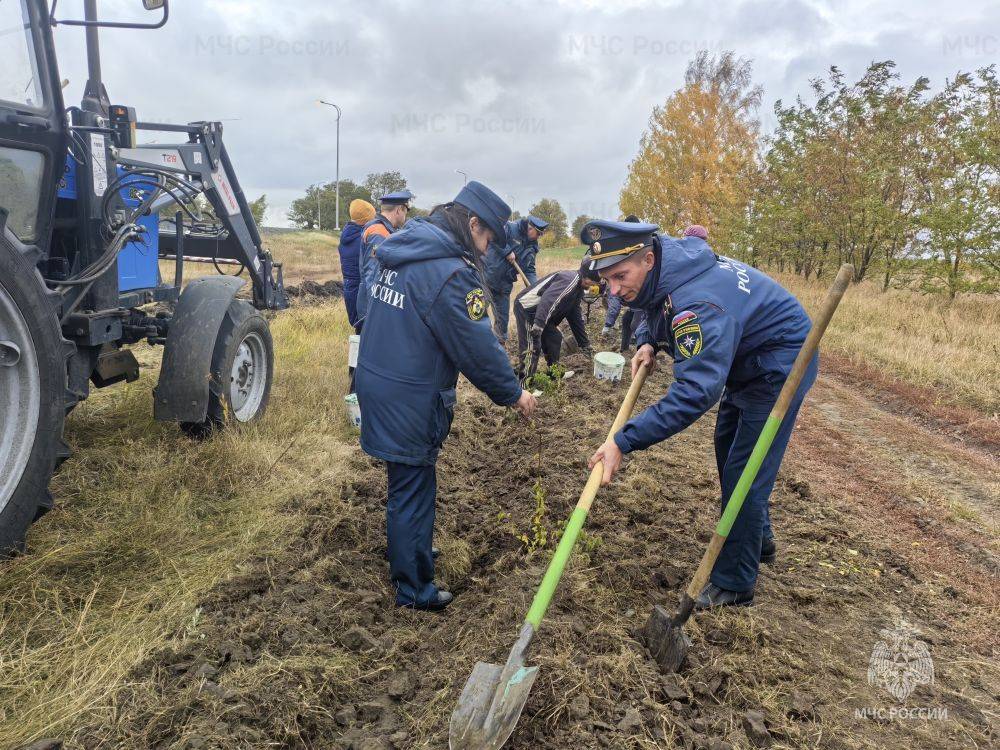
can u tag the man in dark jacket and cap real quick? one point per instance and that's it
(520, 244)
(391, 215)
(426, 323)
(733, 332)
(540, 309)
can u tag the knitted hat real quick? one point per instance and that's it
(696, 230)
(361, 211)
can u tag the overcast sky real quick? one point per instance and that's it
(535, 99)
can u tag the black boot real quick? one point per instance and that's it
(444, 598)
(768, 550)
(713, 596)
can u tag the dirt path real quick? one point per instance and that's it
(880, 518)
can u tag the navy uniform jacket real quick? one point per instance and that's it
(500, 272)
(426, 323)
(726, 324)
(372, 236)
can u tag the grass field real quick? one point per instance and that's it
(147, 522)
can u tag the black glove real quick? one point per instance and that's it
(536, 330)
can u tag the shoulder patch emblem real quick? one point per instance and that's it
(688, 339)
(681, 318)
(475, 304)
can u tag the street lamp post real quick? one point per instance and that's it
(331, 104)
(465, 177)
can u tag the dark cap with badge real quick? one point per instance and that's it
(488, 206)
(399, 198)
(612, 242)
(540, 224)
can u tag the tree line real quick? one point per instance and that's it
(899, 180)
(317, 208)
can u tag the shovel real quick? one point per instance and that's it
(494, 695)
(520, 273)
(663, 634)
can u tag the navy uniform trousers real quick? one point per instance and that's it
(736, 431)
(409, 528)
(501, 304)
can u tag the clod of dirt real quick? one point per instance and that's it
(631, 722)
(346, 716)
(579, 707)
(375, 743)
(205, 671)
(312, 288)
(673, 687)
(756, 729)
(47, 744)
(371, 712)
(401, 686)
(358, 638)
(803, 707)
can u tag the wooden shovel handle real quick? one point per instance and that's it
(520, 273)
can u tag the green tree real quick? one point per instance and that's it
(377, 184)
(550, 210)
(259, 209)
(578, 224)
(317, 208)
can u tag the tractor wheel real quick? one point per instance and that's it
(242, 371)
(32, 395)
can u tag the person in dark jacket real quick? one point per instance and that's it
(540, 309)
(733, 333)
(426, 323)
(391, 215)
(520, 243)
(361, 212)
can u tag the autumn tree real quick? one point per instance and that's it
(578, 224)
(698, 151)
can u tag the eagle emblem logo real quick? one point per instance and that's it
(900, 662)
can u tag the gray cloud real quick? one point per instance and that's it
(536, 99)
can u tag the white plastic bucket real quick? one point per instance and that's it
(609, 366)
(353, 409)
(353, 345)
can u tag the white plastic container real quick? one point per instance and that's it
(609, 366)
(353, 345)
(353, 409)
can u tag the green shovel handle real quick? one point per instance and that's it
(568, 540)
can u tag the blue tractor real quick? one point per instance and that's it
(88, 213)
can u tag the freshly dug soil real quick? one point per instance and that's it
(310, 288)
(306, 650)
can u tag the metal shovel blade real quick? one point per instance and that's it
(489, 707)
(664, 636)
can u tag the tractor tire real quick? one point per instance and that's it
(32, 394)
(242, 371)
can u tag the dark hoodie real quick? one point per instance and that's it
(426, 322)
(726, 324)
(350, 247)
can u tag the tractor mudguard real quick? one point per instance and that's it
(181, 395)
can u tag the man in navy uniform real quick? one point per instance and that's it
(520, 243)
(540, 309)
(390, 217)
(426, 323)
(733, 332)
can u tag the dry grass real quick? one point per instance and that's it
(306, 255)
(147, 521)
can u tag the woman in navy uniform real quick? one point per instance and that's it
(733, 332)
(427, 322)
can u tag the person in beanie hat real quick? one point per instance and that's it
(361, 212)
(427, 323)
